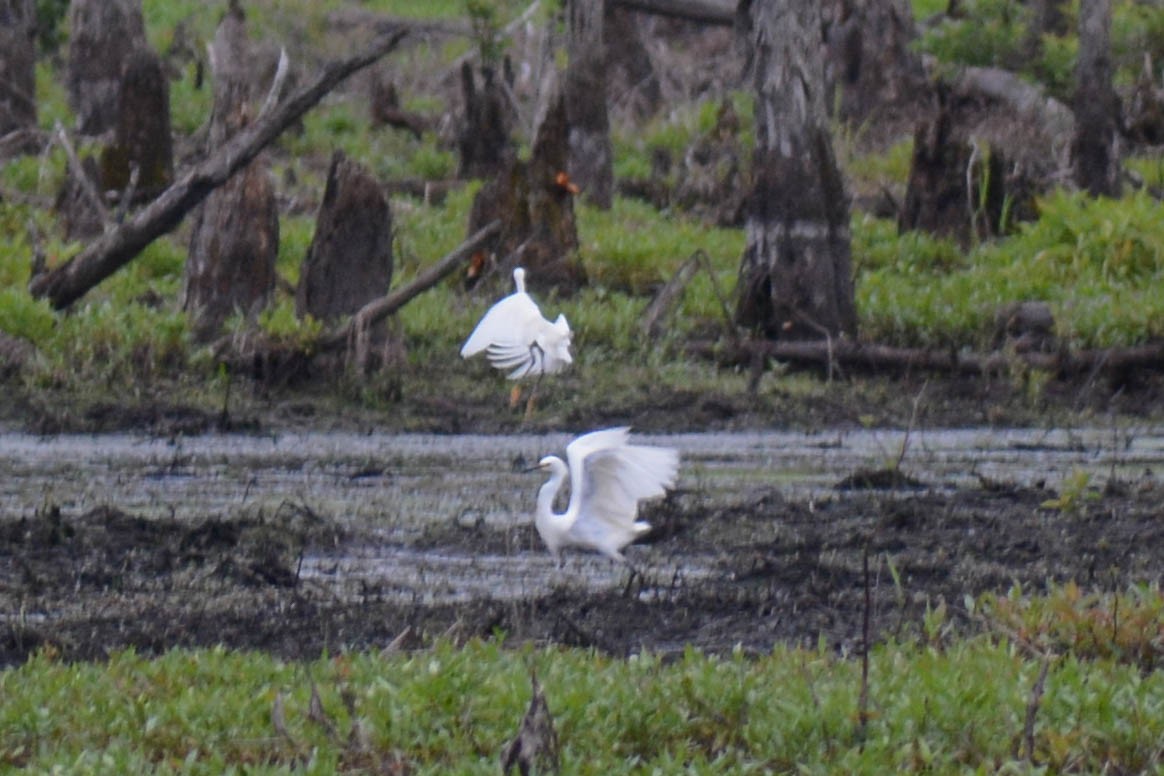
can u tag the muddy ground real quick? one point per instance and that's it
(781, 570)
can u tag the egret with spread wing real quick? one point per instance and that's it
(608, 478)
(516, 336)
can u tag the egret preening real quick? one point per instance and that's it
(516, 336)
(608, 478)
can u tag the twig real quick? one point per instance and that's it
(909, 429)
(1033, 702)
(128, 193)
(87, 187)
(863, 698)
(276, 83)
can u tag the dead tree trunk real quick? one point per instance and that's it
(870, 59)
(1095, 148)
(17, 65)
(591, 161)
(103, 33)
(235, 239)
(534, 202)
(140, 163)
(795, 275)
(349, 262)
(638, 88)
(955, 189)
(484, 141)
(71, 280)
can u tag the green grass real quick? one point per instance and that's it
(958, 707)
(1097, 263)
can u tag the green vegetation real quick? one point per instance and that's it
(1097, 263)
(934, 705)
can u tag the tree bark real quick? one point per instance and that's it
(638, 88)
(591, 161)
(103, 33)
(70, 281)
(795, 275)
(349, 262)
(1096, 145)
(870, 57)
(17, 65)
(142, 140)
(484, 141)
(715, 12)
(235, 240)
(534, 201)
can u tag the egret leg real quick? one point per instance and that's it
(515, 396)
(533, 395)
(634, 572)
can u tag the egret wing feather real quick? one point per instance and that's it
(608, 478)
(511, 321)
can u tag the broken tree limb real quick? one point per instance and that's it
(381, 308)
(70, 281)
(869, 357)
(716, 12)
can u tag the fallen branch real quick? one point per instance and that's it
(818, 354)
(713, 12)
(381, 308)
(70, 281)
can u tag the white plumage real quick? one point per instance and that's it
(514, 335)
(608, 478)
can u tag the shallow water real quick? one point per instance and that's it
(398, 488)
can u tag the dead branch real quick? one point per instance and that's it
(870, 357)
(70, 281)
(716, 12)
(82, 178)
(390, 303)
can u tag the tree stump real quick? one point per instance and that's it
(870, 58)
(17, 65)
(103, 33)
(591, 160)
(349, 262)
(634, 85)
(534, 202)
(713, 183)
(1095, 147)
(796, 273)
(235, 239)
(142, 139)
(483, 141)
(944, 195)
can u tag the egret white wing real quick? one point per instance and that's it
(506, 323)
(608, 477)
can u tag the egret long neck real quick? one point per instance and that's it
(548, 492)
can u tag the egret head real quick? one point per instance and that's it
(562, 337)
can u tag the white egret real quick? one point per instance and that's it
(515, 335)
(608, 478)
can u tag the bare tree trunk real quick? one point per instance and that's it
(534, 202)
(142, 155)
(17, 65)
(630, 64)
(484, 142)
(870, 57)
(1096, 144)
(349, 262)
(795, 275)
(235, 239)
(591, 162)
(103, 33)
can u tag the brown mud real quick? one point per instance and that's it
(772, 568)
